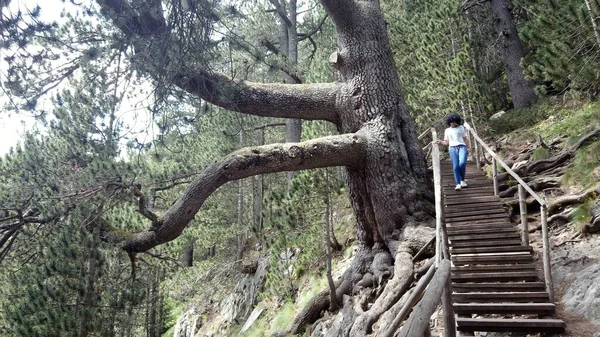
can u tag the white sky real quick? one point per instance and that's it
(13, 126)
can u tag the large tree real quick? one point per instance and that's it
(521, 89)
(386, 170)
(377, 142)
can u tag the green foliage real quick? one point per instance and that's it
(563, 45)
(582, 214)
(569, 122)
(584, 170)
(541, 153)
(431, 44)
(516, 119)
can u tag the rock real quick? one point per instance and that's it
(253, 317)
(594, 225)
(249, 266)
(497, 115)
(583, 295)
(343, 322)
(236, 307)
(187, 324)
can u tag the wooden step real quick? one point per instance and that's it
(492, 259)
(517, 297)
(498, 287)
(493, 268)
(476, 212)
(496, 249)
(481, 222)
(484, 236)
(466, 230)
(496, 276)
(505, 308)
(476, 217)
(472, 200)
(469, 208)
(500, 224)
(468, 192)
(485, 243)
(508, 325)
(450, 191)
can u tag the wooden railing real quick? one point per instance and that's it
(523, 187)
(435, 285)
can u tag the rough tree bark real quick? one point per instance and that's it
(521, 90)
(386, 170)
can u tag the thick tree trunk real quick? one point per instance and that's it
(521, 90)
(377, 145)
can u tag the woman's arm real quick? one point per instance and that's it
(466, 140)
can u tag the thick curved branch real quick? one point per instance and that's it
(341, 150)
(147, 25)
(303, 101)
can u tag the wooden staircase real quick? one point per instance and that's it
(496, 285)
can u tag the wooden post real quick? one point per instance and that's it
(523, 209)
(477, 154)
(419, 319)
(495, 176)
(546, 253)
(437, 181)
(449, 318)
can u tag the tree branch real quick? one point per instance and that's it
(146, 26)
(303, 101)
(281, 12)
(342, 150)
(303, 36)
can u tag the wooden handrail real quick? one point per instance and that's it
(440, 271)
(508, 169)
(523, 210)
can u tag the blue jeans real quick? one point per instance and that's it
(458, 155)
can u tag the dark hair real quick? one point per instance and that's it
(453, 118)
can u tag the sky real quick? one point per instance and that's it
(13, 126)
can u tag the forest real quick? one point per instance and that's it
(187, 162)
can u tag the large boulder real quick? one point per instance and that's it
(582, 298)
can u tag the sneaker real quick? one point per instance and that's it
(463, 184)
(458, 187)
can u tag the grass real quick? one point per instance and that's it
(584, 170)
(571, 123)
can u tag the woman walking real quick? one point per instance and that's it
(455, 137)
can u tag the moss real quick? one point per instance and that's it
(584, 170)
(541, 153)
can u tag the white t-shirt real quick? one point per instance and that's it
(455, 136)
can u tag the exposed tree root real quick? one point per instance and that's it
(537, 185)
(562, 202)
(366, 279)
(393, 291)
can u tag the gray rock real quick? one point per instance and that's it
(497, 115)
(343, 322)
(583, 295)
(236, 307)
